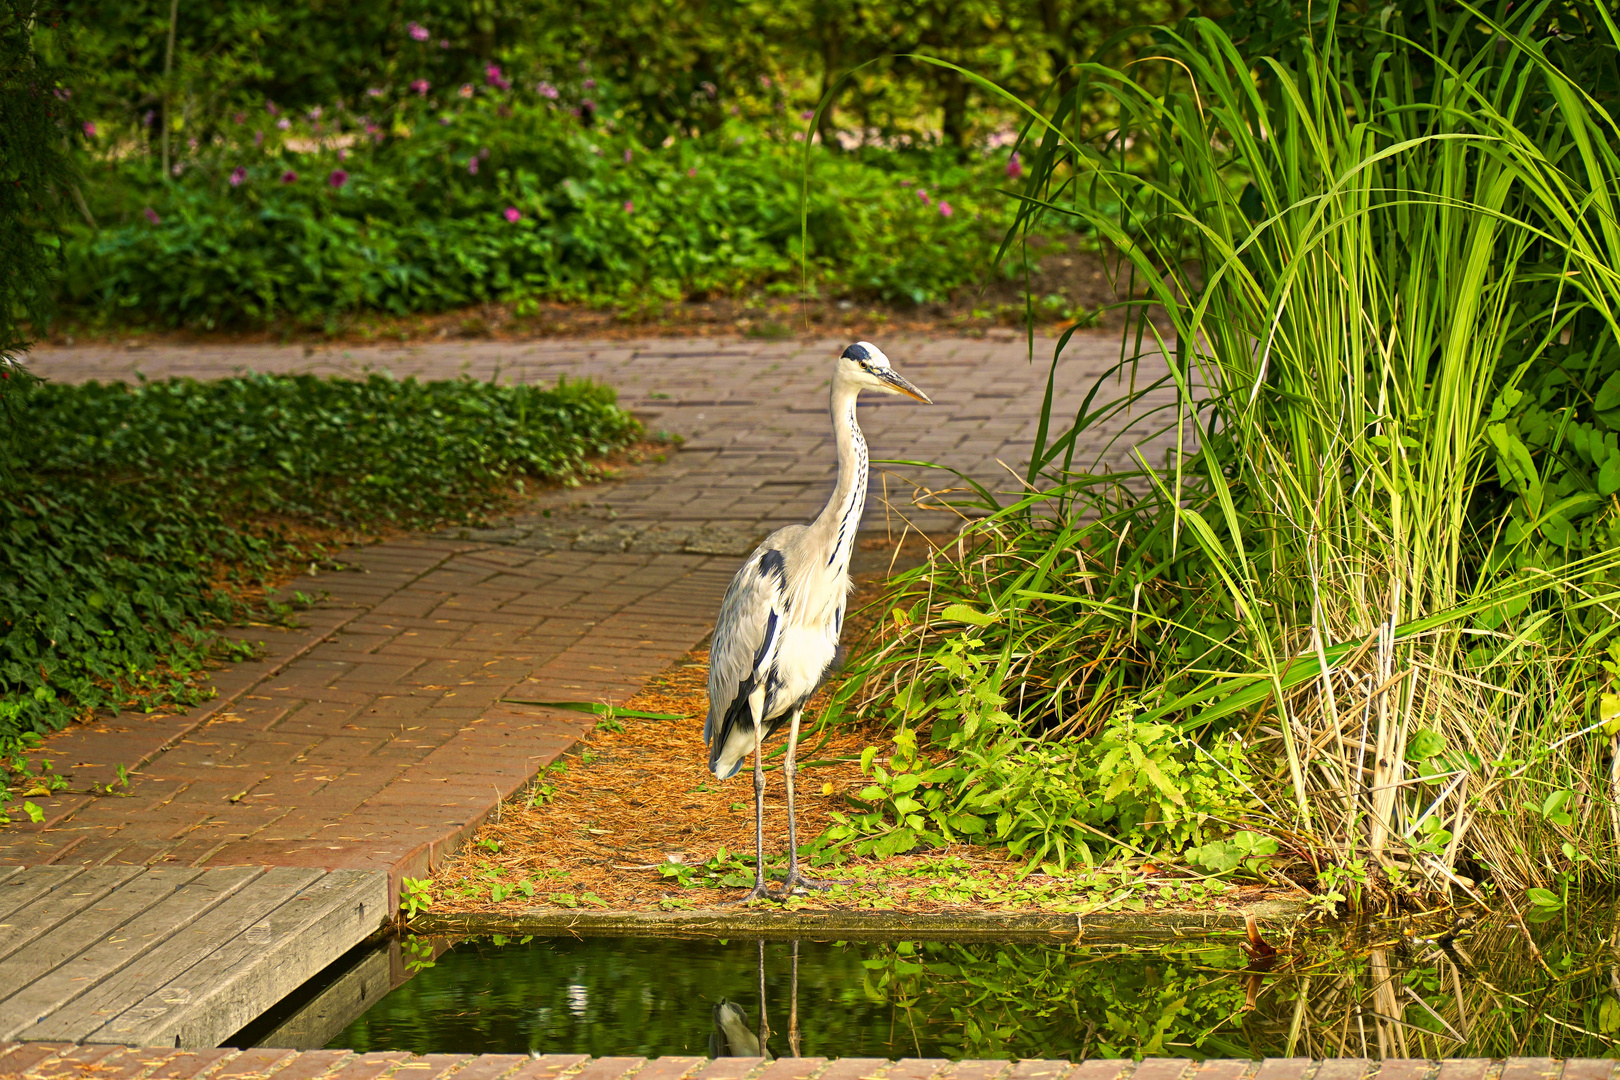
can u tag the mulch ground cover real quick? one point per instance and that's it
(633, 820)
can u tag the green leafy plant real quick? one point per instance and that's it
(124, 510)
(416, 895)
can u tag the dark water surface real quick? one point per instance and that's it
(1374, 990)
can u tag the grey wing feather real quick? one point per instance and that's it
(742, 650)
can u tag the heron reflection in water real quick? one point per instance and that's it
(731, 1035)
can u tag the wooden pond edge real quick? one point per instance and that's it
(1274, 915)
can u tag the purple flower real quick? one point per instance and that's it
(466, 90)
(374, 91)
(238, 175)
(288, 177)
(493, 76)
(944, 208)
(472, 166)
(1015, 168)
(587, 103)
(807, 114)
(89, 129)
(152, 216)
(589, 84)
(513, 214)
(179, 167)
(421, 86)
(151, 114)
(338, 178)
(315, 113)
(284, 123)
(628, 155)
(417, 31)
(270, 107)
(629, 207)
(546, 90)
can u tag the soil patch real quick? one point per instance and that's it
(1071, 286)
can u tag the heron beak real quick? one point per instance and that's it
(899, 382)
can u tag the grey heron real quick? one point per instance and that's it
(777, 631)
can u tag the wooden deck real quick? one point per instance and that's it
(168, 956)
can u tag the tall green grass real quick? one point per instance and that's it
(1354, 262)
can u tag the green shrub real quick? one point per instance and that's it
(1050, 802)
(508, 196)
(129, 516)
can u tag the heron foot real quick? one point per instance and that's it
(758, 892)
(798, 881)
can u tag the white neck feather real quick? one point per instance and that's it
(835, 527)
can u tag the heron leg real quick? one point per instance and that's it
(790, 769)
(759, 890)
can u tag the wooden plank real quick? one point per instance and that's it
(38, 1002)
(8, 871)
(258, 893)
(315, 923)
(50, 951)
(62, 904)
(336, 1007)
(20, 890)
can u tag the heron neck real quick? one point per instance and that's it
(840, 519)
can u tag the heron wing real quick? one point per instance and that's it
(743, 649)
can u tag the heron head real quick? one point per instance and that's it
(865, 365)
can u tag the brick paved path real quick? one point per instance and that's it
(377, 736)
(51, 1061)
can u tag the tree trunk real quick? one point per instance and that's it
(956, 99)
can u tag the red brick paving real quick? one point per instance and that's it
(58, 1061)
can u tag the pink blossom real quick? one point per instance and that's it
(587, 103)
(238, 175)
(493, 76)
(343, 154)
(628, 155)
(513, 214)
(89, 129)
(472, 166)
(151, 114)
(691, 171)
(905, 183)
(807, 114)
(923, 195)
(546, 90)
(258, 138)
(466, 90)
(239, 118)
(421, 86)
(443, 44)
(179, 167)
(374, 91)
(944, 208)
(589, 84)
(1015, 167)
(152, 216)
(270, 107)
(315, 113)
(417, 31)
(629, 207)
(288, 177)
(284, 123)
(338, 178)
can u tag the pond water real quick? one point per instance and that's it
(1373, 990)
